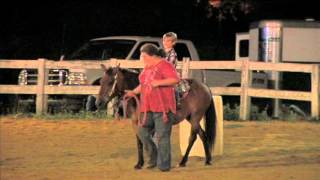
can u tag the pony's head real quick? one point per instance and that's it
(110, 85)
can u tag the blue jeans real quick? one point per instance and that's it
(159, 151)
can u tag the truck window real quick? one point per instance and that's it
(244, 48)
(182, 51)
(104, 49)
(136, 54)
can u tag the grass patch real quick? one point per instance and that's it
(233, 126)
(82, 115)
(259, 116)
(287, 113)
(230, 113)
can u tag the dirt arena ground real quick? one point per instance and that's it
(73, 149)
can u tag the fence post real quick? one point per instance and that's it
(185, 67)
(315, 92)
(41, 99)
(245, 100)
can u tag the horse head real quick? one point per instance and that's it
(110, 85)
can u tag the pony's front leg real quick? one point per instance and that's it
(140, 154)
(134, 118)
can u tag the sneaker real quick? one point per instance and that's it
(151, 166)
(165, 170)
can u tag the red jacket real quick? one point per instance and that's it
(159, 99)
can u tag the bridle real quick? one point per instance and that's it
(107, 96)
(114, 84)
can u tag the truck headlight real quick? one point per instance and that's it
(23, 77)
(77, 78)
(57, 77)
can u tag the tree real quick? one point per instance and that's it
(229, 9)
(222, 19)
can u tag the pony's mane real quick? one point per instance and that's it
(130, 70)
(109, 71)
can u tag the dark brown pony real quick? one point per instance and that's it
(195, 105)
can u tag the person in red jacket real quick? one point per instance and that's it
(157, 105)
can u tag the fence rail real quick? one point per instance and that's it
(245, 91)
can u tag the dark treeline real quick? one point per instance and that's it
(48, 29)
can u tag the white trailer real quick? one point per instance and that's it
(294, 41)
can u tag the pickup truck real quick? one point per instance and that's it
(127, 47)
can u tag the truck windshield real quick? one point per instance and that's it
(103, 49)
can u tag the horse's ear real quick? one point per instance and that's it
(117, 68)
(104, 68)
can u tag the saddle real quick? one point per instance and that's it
(182, 89)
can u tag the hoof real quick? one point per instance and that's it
(138, 166)
(182, 165)
(208, 163)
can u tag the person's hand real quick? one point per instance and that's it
(129, 93)
(155, 83)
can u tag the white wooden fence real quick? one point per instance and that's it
(245, 91)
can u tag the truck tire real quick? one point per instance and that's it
(26, 103)
(74, 103)
(91, 103)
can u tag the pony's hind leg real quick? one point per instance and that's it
(205, 146)
(140, 154)
(192, 139)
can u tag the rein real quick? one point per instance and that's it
(114, 84)
(126, 98)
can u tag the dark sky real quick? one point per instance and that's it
(45, 29)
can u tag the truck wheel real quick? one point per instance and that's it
(8, 104)
(73, 103)
(91, 103)
(26, 103)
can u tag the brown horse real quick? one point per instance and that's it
(196, 104)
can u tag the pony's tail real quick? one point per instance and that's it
(210, 125)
